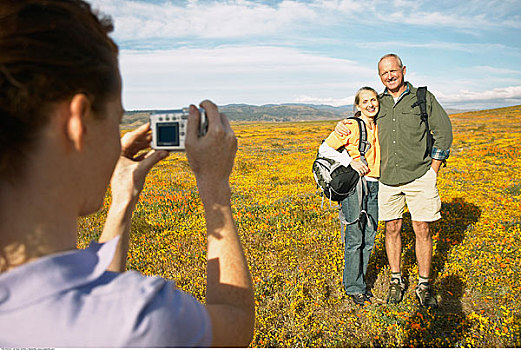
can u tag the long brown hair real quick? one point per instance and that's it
(49, 51)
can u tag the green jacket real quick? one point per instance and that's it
(403, 137)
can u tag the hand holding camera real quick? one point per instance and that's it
(169, 129)
(129, 175)
(211, 157)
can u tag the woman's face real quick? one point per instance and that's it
(368, 104)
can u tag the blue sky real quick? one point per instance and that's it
(174, 53)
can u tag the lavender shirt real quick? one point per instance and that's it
(70, 300)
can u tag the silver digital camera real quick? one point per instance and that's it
(169, 128)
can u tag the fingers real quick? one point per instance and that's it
(136, 134)
(217, 122)
(151, 159)
(143, 129)
(361, 172)
(341, 127)
(136, 140)
(212, 113)
(192, 126)
(360, 167)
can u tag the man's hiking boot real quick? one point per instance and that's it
(425, 296)
(396, 290)
(360, 299)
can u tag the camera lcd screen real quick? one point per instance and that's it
(167, 134)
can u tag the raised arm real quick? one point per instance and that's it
(229, 292)
(126, 185)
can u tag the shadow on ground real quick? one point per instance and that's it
(445, 326)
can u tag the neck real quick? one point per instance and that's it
(369, 121)
(36, 221)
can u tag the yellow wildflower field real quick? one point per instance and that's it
(294, 251)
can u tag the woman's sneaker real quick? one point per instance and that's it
(396, 290)
(425, 297)
(369, 294)
(360, 299)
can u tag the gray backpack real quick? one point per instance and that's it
(334, 180)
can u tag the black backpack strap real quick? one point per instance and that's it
(421, 101)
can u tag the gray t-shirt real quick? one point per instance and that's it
(70, 300)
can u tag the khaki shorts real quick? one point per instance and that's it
(421, 196)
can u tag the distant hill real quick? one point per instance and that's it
(284, 112)
(270, 112)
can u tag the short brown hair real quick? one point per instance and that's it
(50, 50)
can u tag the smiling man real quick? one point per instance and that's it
(408, 172)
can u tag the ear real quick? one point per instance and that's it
(404, 69)
(75, 126)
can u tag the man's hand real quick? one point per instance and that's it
(435, 165)
(341, 127)
(360, 167)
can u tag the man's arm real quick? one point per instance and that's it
(127, 183)
(342, 127)
(229, 291)
(441, 127)
(436, 165)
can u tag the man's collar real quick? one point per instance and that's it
(407, 90)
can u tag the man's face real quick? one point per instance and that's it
(391, 74)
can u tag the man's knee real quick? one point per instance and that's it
(393, 227)
(421, 230)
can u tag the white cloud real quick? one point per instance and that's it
(242, 18)
(463, 99)
(221, 19)
(436, 19)
(246, 50)
(346, 6)
(325, 101)
(498, 94)
(250, 74)
(495, 70)
(438, 45)
(265, 74)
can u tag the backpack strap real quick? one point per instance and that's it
(362, 189)
(363, 145)
(364, 218)
(421, 101)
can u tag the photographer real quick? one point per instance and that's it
(60, 109)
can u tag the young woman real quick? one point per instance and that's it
(359, 234)
(60, 108)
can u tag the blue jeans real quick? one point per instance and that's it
(359, 238)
